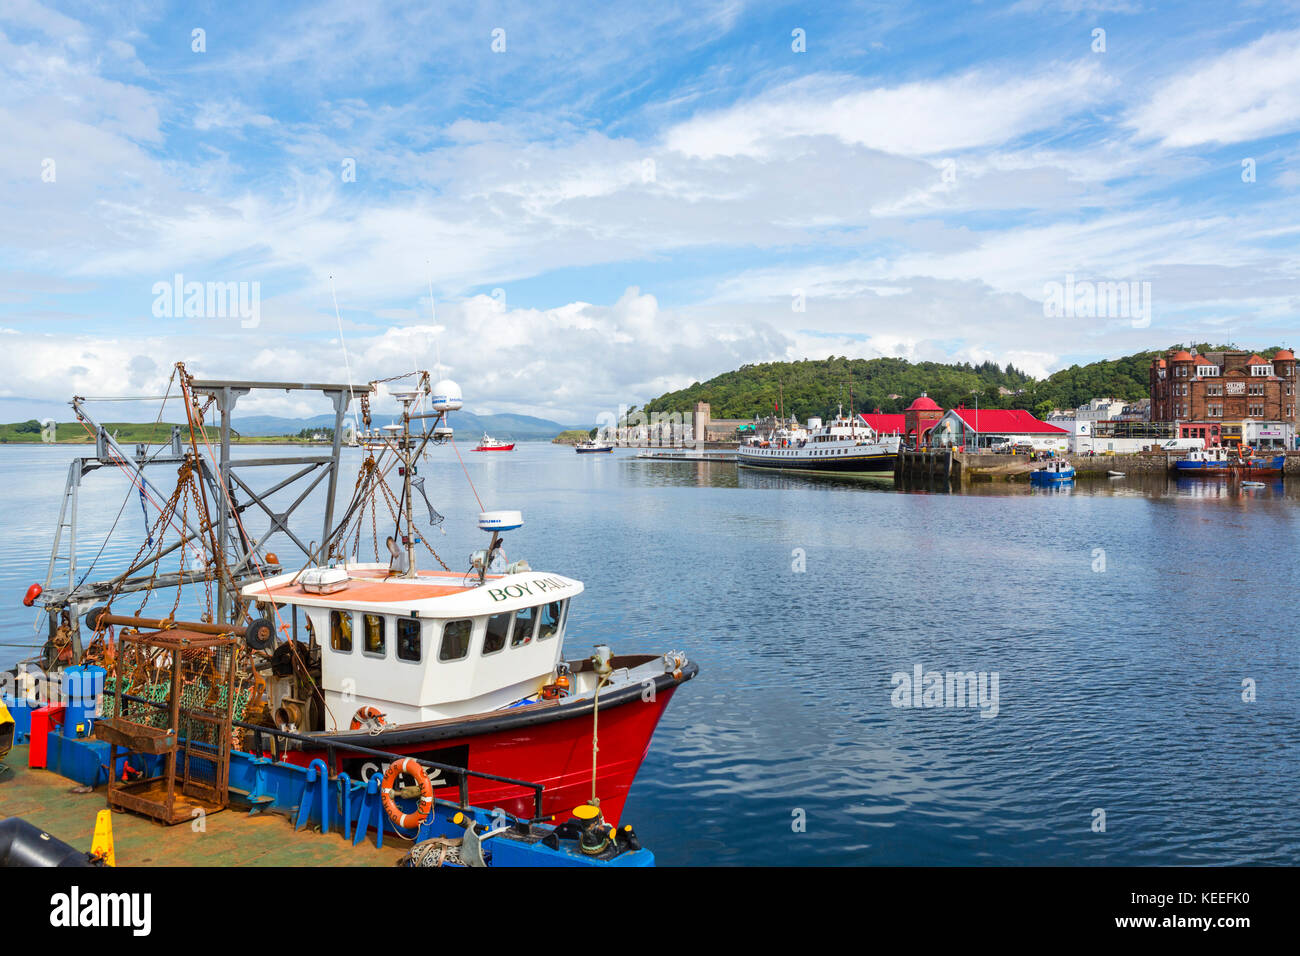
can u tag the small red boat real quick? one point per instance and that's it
(488, 443)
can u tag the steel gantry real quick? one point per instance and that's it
(231, 491)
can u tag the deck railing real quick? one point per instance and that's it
(331, 747)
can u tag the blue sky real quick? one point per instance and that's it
(613, 203)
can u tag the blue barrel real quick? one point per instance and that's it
(83, 689)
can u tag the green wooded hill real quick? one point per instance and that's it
(817, 387)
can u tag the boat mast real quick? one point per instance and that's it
(408, 452)
(408, 461)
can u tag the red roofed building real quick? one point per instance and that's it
(920, 417)
(1213, 395)
(979, 428)
(885, 424)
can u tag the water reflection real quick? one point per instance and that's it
(801, 596)
(713, 474)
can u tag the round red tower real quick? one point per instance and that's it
(919, 418)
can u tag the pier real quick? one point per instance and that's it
(943, 467)
(688, 454)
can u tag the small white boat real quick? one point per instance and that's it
(1252, 484)
(1114, 474)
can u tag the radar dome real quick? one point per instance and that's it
(446, 396)
(500, 521)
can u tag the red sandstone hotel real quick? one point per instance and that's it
(1212, 394)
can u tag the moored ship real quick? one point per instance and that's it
(1220, 462)
(840, 446)
(1055, 472)
(465, 669)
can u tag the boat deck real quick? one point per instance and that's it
(370, 585)
(231, 837)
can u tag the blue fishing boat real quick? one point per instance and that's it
(1222, 462)
(1053, 473)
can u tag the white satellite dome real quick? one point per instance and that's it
(446, 396)
(500, 521)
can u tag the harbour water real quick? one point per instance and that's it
(1123, 621)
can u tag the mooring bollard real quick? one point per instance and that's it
(317, 782)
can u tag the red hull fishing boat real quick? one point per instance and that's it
(465, 669)
(488, 443)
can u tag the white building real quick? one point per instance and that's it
(1258, 434)
(1099, 410)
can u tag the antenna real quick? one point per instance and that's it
(437, 346)
(344, 345)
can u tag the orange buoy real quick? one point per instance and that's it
(32, 594)
(412, 768)
(367, 717)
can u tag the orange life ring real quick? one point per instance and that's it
(410, 767)
(367, 716)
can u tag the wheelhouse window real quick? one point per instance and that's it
(498, 631)
(455, 640)
(341, 632)
(525, 619)
(552, 615)
(408, 639)
(373, 635)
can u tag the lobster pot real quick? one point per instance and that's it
(174, 698)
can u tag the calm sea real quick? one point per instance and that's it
(1123, 624)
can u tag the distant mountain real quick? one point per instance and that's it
(514, 427)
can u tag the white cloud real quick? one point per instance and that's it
(1241, 95)
(228, 114)
(831, 183)
(920, 118)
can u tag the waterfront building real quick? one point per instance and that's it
(1138, 411)
(885, 423)
(1099, 410)
(989, 426)
(707, 428)
(1120, 436)
(1212, 396)
(919, 419)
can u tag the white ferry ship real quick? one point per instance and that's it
(840, 446)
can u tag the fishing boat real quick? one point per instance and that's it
(465, 669)
(488, 443)
(1055, 472)
(1220, 462)
(592, 447)
(840, 446)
